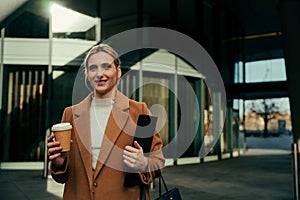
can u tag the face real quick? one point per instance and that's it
(103, 74)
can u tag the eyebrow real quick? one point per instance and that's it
(106, 64)
(102, 65)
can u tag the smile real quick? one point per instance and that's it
(100, 82)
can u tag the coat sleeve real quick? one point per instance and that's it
(156, 159)
(61, 175)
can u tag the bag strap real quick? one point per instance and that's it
(161, 178)
(159, 186)
(142, 192)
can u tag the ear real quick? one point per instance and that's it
(119, 71)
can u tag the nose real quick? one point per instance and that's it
(100, 71)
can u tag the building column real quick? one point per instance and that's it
(199, 87)
(229, 131)
(1, 93)
(290, 19)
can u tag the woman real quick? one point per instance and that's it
(102, 147)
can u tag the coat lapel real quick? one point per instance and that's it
(116, 122)
(83, 134)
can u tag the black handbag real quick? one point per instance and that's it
(173, 194)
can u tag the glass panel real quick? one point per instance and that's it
(187, 112)
(158, 70)
(156, 96)
(238, 72)
(238, 105)
(128, 83)
(266, 116)
(266, 70)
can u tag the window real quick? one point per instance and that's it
(238, 72)
(260, 71)
(265, 71)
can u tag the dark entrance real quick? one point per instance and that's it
(23, 117)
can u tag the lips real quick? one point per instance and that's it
(100, 82)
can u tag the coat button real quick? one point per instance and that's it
(95, 184)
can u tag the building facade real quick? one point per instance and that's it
(41, 64)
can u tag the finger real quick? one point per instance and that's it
(131, 149)
(54, 150)
(129, 159)
(54, 156)
(133, 164)
(130, 154)
(137, 145)
(129, 164)
(51, 137)
(53, 144)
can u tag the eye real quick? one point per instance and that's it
(106, 66)
(92, 68)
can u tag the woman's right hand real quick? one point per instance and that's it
(54, 152)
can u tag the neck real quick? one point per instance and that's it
(107, 102)
(111, 95)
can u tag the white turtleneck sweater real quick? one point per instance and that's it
(99, 113)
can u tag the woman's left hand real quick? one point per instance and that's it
(134, 157)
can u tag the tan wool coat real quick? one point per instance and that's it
(107, 180)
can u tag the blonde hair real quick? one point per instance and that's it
(101, 48)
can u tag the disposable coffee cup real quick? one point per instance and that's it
(62, 133)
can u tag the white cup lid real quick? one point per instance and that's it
(61, 126)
